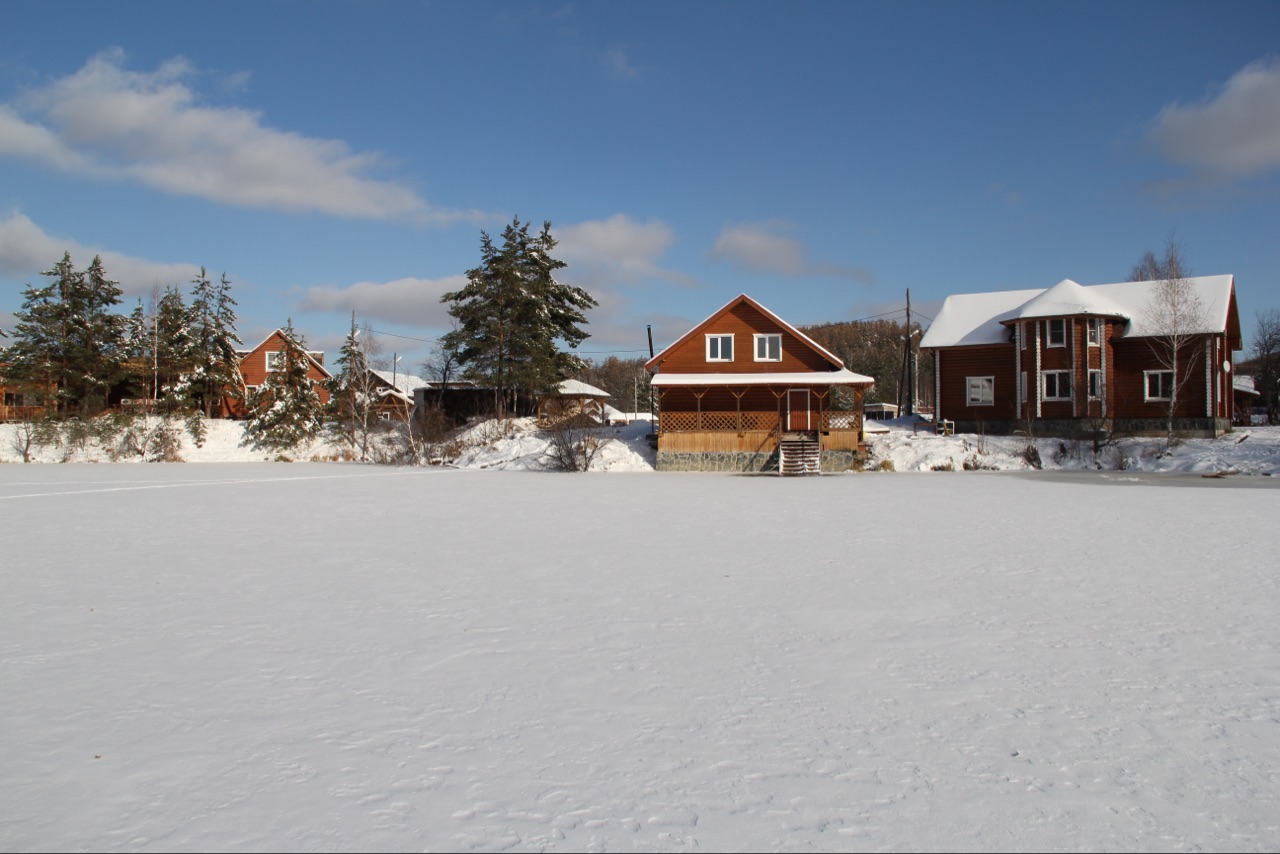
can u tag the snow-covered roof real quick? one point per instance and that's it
(577, 388)
(1068, 299)
(844, 376)
(967, 319)
(1244, 383)
(972, 319)
(401, 382)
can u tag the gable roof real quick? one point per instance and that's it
(400, 381)
(309, 353)
(652, 364)
(973, 319)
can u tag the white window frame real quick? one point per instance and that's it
(1048, 332)
(1165, 387)
(719, 338)
(271, 353)
(1095, 384)
(1058, 378)
(1093, 331)
(764, 339)
(985, 388)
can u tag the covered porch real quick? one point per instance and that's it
(760, 422)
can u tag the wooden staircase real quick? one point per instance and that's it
(799, 453)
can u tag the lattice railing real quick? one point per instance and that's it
(841, 421)
(675, 422)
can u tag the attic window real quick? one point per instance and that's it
(719, 348)
(1057, 332)
(275, 360)
(768, 348)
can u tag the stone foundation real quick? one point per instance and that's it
(1075, 428)
(746, 462)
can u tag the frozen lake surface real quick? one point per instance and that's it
(324, 657)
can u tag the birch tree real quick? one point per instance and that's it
(1175, 316)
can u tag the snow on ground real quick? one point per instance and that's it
(334, 657)
(1247, 451)
(900, 447)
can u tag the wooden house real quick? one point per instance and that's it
(255, 364)
(1074, 359)
(393, 393)
(746, 391)
(18, 402)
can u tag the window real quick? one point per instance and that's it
(768, 348)
(1095, 385)
(275, 360)
(1093, 330)
(1057, 332)
(719, 348)
(1056, 385)
(1159, 384)
(982, 391)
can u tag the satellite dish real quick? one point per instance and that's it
(1226, 366)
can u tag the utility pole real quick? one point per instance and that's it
(911, 362)
(651, 401)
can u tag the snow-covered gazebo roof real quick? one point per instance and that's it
(577, 388)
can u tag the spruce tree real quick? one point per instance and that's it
(215, 362)
(68, 344)
(285, 411)
(513, 315)
(351, 393)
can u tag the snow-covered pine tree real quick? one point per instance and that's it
(351, 393)
(215, 362)
(285, 411)
(67, 344)
(99, 350)
(513, 312)
(173, 350)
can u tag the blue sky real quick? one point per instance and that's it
(820, 157)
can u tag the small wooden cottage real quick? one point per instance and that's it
(1072, 359)
(746, 391)
(255, 364)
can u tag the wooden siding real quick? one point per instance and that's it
(253, 367)
(1122, 361)
(1136, 356)
(958, 364)
(742, 320)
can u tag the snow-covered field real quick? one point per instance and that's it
(342, 657)
(518, 445)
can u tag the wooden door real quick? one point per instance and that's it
(798, 417)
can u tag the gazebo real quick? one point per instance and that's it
(573, 397)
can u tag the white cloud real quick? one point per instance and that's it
(105, 121)
(1233, 135)
(409, 301)
(26, 250)
(617, 250)
(758, 249)
(620, 65)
